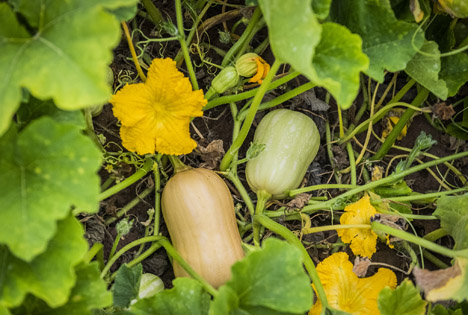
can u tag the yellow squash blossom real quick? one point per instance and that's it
(345, 291)
(363, 241)
(251, 64)
(155, 115)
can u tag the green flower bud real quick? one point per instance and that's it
(246, 65)
(226, 79)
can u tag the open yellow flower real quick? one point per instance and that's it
(155, 115)
(363, 241)
(345, 291)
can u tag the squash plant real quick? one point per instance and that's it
(54, 60)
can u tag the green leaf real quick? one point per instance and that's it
(294, 32)
(440, 310)
(386, 41)
(126, 285)
(321, 8)
(45, 170)
(456, 8)
(338, 61)
(90, 292)
(270, 279)
(35, 109)
(405, 299)
(453, 215)
(50, 276)
(66, 57)
(187, 297)
(425, 68)
(454, 72)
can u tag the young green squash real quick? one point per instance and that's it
(199, 213)
(291, 142)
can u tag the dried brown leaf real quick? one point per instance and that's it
(361, 264)
(211, 154)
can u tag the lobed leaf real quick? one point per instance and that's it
(49, 276)
(186, 297)
(126, 285)
(453, 215)
(44, 170)
(425, 67)
(64, 58)
(387, 41)
(405, 299)
(266, 281)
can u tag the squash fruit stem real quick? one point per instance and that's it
(262, 197)
(177, 164)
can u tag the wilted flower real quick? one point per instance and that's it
(155, 115)
(345, 291)
(363, 241)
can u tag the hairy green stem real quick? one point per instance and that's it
(226, 161)
(391, 138)
(95, 250)
(183, 44)
(157, 200)
(245, 35)
(128, 247)
(298, 191)
(153, 11)
(391, 178)
(262, 197)
(352, 163)
(379, 227)
(171, 251)
(244, 194)
(436, 234)
(280, 99)
(291, 238)
(130, 205)
(147, 166)
(245, 95)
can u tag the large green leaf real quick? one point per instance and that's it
(44, 170)
(405, 299)
(266, 281)
(338, 61)
(89, 293)
(50, 276)
(387, 41)
(126, 285)
(453, 215)
(294, 32)
(425, 68)
(187, 297)
(321, 8)
(454, 72)
(64, 59)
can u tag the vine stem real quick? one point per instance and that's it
(147, 166)
(391, 178)
(183, 44)
(245, 95)
(280, 99)
(250, 27)
(153, 11)
(379, 227)
(244, 194)
(291, 238)
(157, 199)
(226, 161)
(174, 254)
(262, 197)
(132, 51)
(335, 227)
(298, 191)
(390, 140)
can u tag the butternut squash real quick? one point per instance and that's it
(199, 213)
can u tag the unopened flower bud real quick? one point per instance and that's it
(246, 65)
(226, 79)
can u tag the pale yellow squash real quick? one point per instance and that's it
(199, 213)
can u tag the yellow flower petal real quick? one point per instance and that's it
(155, 115)
(262, 70)
(345, 291)
(363, 241)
